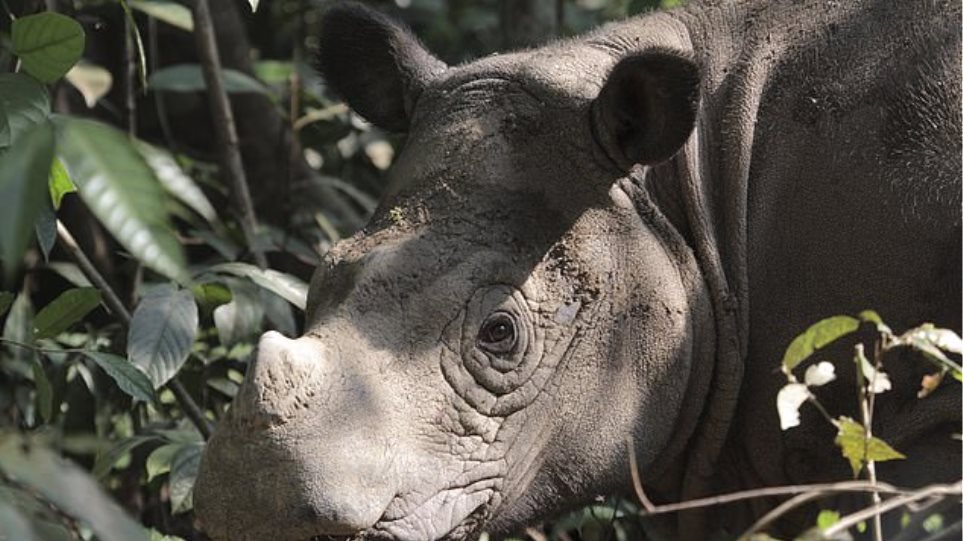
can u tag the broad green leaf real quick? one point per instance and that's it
(6, 299)
(59, 183)
(827, 518)
(105, 461)
(42, 388)
(70, 272)
(23, 192)
(24, 103)
(189, 78)
(159, 460)
(273, 71)
(851, 439)
(92, 81)
(46, 229)
(128, 377)
(121, 190)
(288, 287)
(13, 525)
(241, 318)
(68, 487)
(18, 327)
(48, 44)
(175, 181)
(162, 332)
(184, 468)
(210, 295)
(68, 308)
(171, 13)
(817, 336)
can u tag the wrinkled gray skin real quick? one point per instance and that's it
(657, 208)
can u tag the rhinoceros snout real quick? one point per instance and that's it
(283, 380)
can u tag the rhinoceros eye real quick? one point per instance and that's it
(497, 334)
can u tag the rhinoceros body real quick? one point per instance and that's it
(601, 248)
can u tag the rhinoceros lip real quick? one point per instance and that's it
(463, 530)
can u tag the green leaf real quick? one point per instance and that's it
(68, 487)
(159, 460)
(19, 327)
(175, 181)
(171, 13)
(70, 272)
(286, 286)
(210, 295)
(827, 518)
(931, 342)
(24, 102)
(46, 229)
(6, 299)
(121, 190)
(184, 468)
(273, 71)
(92, 81)
(23, 178)
(64, 311)
(817, 336)
(105, 461)
(858, 449)
(44, 393)
(128, 377)
(59, 183)
(189, 78)
(241, 318)
(933, 523)
(162, 332)
(48, 44)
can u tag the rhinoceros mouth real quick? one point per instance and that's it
(465, 529)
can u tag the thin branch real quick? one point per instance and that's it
(779, 511)
(224, 127)
(637, 480)
(190, 408)
(853, 519)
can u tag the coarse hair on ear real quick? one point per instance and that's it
(377, 65)
(647, 107)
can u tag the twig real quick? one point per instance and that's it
(224, 128)
(637, 480)
(191, 409)
(779, 511)
(853, 519)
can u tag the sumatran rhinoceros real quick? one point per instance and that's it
(603, 243)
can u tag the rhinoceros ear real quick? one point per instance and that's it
(375, 64)
(647, 107)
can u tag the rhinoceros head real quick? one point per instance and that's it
(480, 354)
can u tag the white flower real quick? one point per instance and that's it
(877, 379)
(788, 401)
(820, 374)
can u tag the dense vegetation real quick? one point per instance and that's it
(147, 239)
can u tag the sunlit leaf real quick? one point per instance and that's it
(92, 81)
(827, 518)
(162, 331)
(159, 460)
(68, 487)
(184, 468)
(68, 308)
(48, 44)
(24, 168)
(210, 295)
(858, 449)
(877, 381)
(872, 317)
(820, 374)
(24, 103)
(189, 78)
(70, 272)
(932, 342)
(59, 183)
(121, 190)
(175, 181)
(128, 377)
(790, 398)
(288, 287)
(818, 335)
(171, 13)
